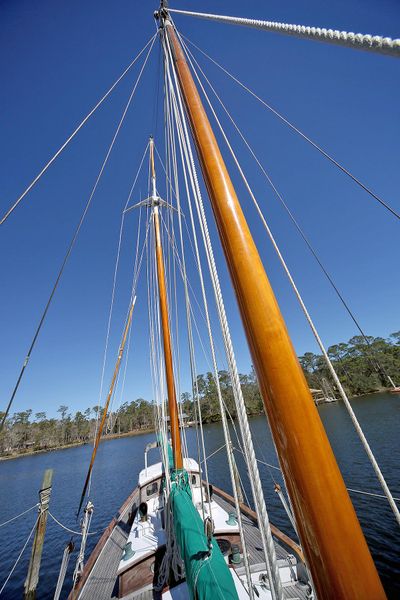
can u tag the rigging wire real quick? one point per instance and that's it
(74, 238)
(278, 194)
(157, 93)
(176, 191)
(19, 556)
(220, 353)
(299, 132)
(128, 323)
(136, 271)
(110, 314)
(82, 123)
(374, 495)
(20, 515)
(329, 364)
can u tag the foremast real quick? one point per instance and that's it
(207, 574)
(154, 201)
(331, 536)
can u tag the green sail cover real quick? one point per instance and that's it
(207, 574)
(160, 441)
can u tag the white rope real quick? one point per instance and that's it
(82, 123)
(328, 361)
(63, 570)
(67, 528)
(87, 519)
(155, 352)
(192, 360)
(241, 487)
(20, 515)
(254, 476)
(185, 145)
(172, 560)
(299, 132)
(171, 143)
(19, 556)
(359, 41)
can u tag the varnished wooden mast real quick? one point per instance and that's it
(331, 536)
(169, 369)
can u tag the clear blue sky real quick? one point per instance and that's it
(56, 60)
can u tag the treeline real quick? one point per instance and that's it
(363, 365)
(209, 404)
(26, 431)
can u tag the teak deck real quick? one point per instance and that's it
(99, 580)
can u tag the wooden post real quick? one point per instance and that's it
(333, 542)
(32, 578)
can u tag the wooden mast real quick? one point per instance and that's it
(169, 369)
(331, 537)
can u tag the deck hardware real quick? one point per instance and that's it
(232, 521)
(128, 552)
(236, 558)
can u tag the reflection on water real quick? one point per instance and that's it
(119, 462)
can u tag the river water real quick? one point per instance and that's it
(119, 462)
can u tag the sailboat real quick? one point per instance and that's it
(178, 535)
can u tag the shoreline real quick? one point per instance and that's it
(113, 436)
(151, 430)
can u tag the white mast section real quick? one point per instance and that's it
(359, 41)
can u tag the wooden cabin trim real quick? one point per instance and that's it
(73, 595)
(285, 539)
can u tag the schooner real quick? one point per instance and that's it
(178, 535)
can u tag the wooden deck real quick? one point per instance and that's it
(99, 580)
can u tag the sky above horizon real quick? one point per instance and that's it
(56, 61)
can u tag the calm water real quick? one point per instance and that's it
(119, 462)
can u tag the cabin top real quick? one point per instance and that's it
(155, 471)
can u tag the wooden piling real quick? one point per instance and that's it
(32, 578)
